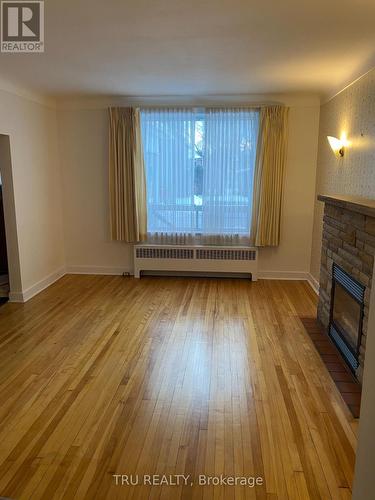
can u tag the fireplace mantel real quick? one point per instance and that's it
(363, 206)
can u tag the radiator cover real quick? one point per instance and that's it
(210, 259)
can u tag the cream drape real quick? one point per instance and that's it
(127, 183)
(269, 176)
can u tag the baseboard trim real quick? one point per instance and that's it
(283, 275)
(290, 275)
(110, 271)
(30, 292)
(314, 283)
(16, 297)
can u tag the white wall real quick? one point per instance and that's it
(83, 130)
(84, 160)
(353, 112)
(32, 130)
(292, 256)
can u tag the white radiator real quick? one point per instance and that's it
(201, 259)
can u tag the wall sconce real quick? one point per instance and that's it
(338, 145)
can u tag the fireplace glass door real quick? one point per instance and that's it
(346, 315)
(346, 318)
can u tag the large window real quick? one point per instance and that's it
(199, 170)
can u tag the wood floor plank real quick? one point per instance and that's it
(104, 375)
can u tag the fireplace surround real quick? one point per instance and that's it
(347, 258)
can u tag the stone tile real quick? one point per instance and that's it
(366, 237)
(348, 236)
(360, 244)
(332, 211)
(370, 225)
(354, 219)
(334, 244)
(334, 222)
(350, 258)
(330, 231)
(366, 269)
(364, 279)
(367, 258)
(351, 249)
(356, 273)
(369, 249)
(341, 261)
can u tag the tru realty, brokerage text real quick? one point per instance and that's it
(186, 480)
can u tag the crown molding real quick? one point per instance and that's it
(19, 91)
(328, 97)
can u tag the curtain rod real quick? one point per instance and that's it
(203, 106)
(224, 105)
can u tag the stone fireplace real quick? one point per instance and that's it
(348, 249)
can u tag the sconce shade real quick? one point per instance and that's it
(337, 145)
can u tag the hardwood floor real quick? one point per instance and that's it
(109, 375)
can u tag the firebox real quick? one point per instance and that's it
(346, 317)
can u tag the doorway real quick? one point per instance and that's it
(10, 272)
(4, 270)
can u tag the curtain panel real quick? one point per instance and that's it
(168, 136)
(127, 183)
(211, 177)
(269, 176)
(231, 137)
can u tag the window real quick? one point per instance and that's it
(199, 170)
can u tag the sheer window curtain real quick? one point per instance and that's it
(168, 137)
(231, 137)
(199, 169)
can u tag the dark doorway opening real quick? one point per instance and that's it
(4, 271)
